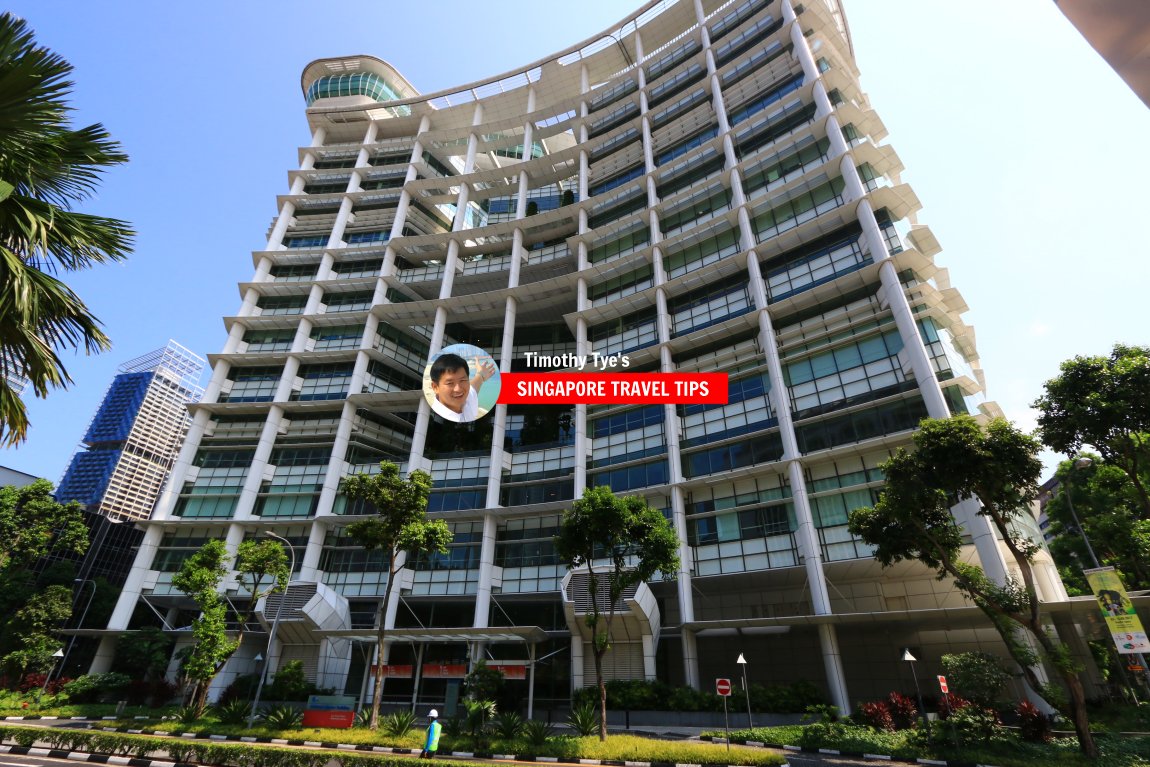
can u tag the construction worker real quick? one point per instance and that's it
(433, 731)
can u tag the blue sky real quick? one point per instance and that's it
(1026, 150)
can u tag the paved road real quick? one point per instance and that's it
(11, 760)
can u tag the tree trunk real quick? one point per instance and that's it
(1078, 711)
(598, 655)
(377, 693)
(1077, 695)
(201, 698)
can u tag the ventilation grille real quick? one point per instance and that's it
(577, 592)
(297, 595)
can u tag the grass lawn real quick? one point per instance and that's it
(631, 748)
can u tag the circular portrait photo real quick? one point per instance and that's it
(461, 383)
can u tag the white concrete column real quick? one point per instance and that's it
(263, 270)
(249, 495)
(395, 589)
(853, 189)
(983, 536)
(822, 101)
(129, 595)
(799, 40)
(835, 135)
(577, 661)
(683, 590)
(247, 308)
(894, 296)
(833, 664)
(335, 239)
(649, 657)
(309, 563)
(337, 465)
(486, 566)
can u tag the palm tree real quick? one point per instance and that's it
(46, 168)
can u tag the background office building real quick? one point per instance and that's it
(701, 188)
(135, 435)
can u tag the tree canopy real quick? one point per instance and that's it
(637, 543)
(33, 524)
(199, 577)
(955, 459)
(1103, 402)
(399, 523)
(262, 569)
(1109, 515)
(47, 167)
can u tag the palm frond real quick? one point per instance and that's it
(47, 167)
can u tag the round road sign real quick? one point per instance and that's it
(723, 687)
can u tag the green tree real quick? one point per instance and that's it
(1108, 510)
(47, 167)
(956, 459)
(636, 541)
(33, 525)
(199, 578)
(1103, 402)
(977, 676)
(30, 639)
(399, 523)
(263, 569)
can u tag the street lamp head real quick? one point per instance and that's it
(1083, 462)
(59, 653)
(741, 661)
(907, 656)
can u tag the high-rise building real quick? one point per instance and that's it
(701, 188)
(135, 435)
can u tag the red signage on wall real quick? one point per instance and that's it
(444, 670)
(394, 671)
(510, 671)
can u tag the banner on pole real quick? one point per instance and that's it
(1118, 611)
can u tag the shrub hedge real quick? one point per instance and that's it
(642, 695)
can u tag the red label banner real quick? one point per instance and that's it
(444, 671)
(613, 388)
(509, 671)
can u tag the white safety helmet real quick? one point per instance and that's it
(433, 714)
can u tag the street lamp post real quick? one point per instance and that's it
(906, 656)
(56, 656)
(743, 662)
(275, 625)
(1080, 463)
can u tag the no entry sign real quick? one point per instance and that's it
(723, 687)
